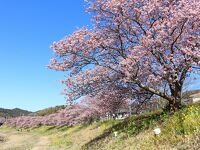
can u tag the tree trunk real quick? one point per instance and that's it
(175, 103)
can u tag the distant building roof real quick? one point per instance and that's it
(122, 110)
(195, 95)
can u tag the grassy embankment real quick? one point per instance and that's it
(180, 131)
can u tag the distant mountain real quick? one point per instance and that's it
(13, 112)
(48, 111)
(20, 112)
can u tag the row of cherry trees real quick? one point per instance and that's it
(69, 117)
(84, 112)
(137, 50)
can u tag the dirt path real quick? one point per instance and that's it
(13, 141)
(19, 141)
(42, 144)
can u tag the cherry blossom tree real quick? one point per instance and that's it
(134, 45)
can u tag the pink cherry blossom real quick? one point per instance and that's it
(134, 45)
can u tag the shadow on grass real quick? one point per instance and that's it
(130, 126)
(63, 128)
(50, 128)
(81, 127)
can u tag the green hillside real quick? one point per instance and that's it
(13, 112)
(48, 111)
(19, 112)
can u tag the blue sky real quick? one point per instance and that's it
(27, 29)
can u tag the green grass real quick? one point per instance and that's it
(136, 132)
(178, 131)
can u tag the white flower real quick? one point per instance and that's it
(157, 131)
(115, 134)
